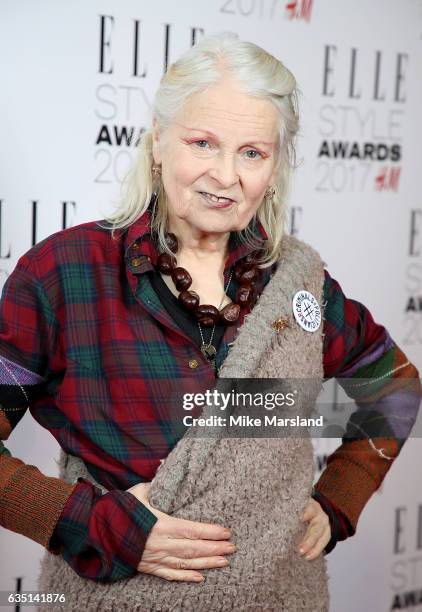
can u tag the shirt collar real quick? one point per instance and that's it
(142, 254)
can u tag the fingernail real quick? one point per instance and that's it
(227, 533)
(223, 561)
(301, 550)
(231, 548)
(308, 557)
(199, 578)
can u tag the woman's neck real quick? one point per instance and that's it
(197, 245)
(203, 255)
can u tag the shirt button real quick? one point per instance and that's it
(136, 261)
(193, 363)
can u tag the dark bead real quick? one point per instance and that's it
(207, 321)
(207, 311)
(181, 278)
(230, 313)
(242, 266)
(244, 295)
(248, 277)
(189, 299)
(172, 243)
(165, 263)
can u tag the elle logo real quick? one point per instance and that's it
(400, 543)
(415, 243)
(365, 74)
(109, 38)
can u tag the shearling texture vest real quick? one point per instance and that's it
(258, 487)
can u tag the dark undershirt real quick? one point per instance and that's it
(185, 319)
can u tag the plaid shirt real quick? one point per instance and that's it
(86, 344)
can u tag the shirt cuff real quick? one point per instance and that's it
(102, 537)
(339, 523)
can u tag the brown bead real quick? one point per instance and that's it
(172, 242)
(181, 278)
(244, 295)
(248, 277)
(242, 266)
(208, 313)
(189, 299)
(230, 313)
(207, 321)
(165, 263)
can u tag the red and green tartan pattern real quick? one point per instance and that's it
(86, 343)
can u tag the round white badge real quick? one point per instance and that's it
(306, 311)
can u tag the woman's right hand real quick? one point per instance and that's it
(175, 547)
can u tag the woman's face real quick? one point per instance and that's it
(222, 143)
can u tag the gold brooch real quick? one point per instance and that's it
(280, 324)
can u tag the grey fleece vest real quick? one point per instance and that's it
(258, 487)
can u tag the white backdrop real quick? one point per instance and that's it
(69, 87)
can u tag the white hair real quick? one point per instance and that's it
(258, 74)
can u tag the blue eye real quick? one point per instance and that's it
(199, 141)
(253, 151)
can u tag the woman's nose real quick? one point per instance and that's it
(224, 170)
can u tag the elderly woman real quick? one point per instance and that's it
(192, 281)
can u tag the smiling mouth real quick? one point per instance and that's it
(215, 199)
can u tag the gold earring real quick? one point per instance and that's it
(156, 170)
(270, 192)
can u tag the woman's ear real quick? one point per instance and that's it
(156, 154)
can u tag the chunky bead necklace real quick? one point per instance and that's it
(246, 272)
(207, 348)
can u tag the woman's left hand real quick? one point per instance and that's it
(318, 533)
